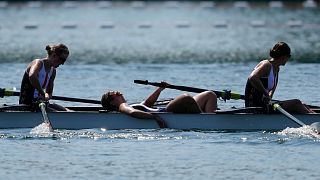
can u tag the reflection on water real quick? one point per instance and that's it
(158, 32)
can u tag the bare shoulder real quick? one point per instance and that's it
(264, 63)
(125, 108)
(35, 64)
(262, 69)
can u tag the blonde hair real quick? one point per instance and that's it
(59, 49)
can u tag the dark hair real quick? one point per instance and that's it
(105, 102)
(280, 49)
(59, 49)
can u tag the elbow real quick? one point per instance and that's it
(32, 76)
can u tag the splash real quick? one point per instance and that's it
(304, 131)
(42, 129)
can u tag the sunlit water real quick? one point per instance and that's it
(200, 55)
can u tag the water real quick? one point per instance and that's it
(199, 56)
(158, 154)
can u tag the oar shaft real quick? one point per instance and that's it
(284, 112)
(223, 94)
(44, 112)
(5, 92)
(91, 101)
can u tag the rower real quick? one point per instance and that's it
(205, 102)
(263, 80)
(38, 78)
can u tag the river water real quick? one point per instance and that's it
(182, 44)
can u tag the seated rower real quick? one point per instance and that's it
(263, 80)
(205, 102)
(38, 79)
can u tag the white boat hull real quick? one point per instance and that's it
(88, 120)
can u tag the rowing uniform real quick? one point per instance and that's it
(145, 108)
(253, 97)
(28, 94)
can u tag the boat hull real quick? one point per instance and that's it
(89, 120)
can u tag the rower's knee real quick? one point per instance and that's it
(210, 94)
(297, 101)
(186, 98)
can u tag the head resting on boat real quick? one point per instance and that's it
(112, 100)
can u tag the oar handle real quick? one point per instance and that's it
(226, 94)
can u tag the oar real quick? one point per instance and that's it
(315, 126)
(6, 92)
(46, 120)
(225, 94)
(284, 112)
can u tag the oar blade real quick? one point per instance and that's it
(45, 117)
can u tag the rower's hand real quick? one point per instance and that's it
(46, 97)
(266, 99)
(163, 85)
(160, 121)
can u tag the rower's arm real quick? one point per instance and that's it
(49, 89)
(153, 97)
(33, 76)
(260, 71)
(125, 108)
(274, 88)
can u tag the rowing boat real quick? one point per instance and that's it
(94, 117)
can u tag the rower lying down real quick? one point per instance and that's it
(203, 102)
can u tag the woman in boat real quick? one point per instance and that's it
(38, 79)
(205, 102)
(263, 80)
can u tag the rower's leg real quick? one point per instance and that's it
(183, 104)
(295, 106)
(207, 101)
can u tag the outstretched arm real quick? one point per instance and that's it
(125, 108)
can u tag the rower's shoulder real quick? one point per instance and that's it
(36, 62)
(264, 64)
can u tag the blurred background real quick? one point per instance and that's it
(104, 32)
